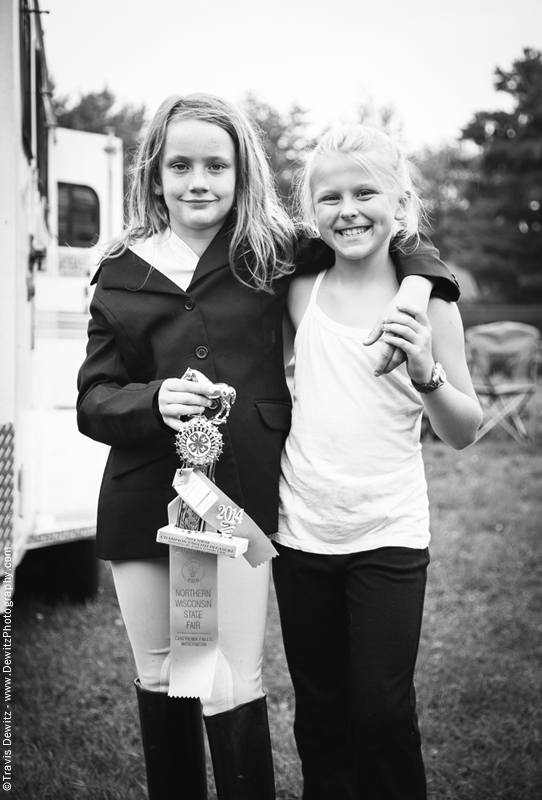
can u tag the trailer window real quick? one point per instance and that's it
(78, 215)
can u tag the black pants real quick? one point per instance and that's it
(351, 627)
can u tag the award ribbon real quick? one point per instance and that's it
(193, 622)
(218, 511)
(194, 549)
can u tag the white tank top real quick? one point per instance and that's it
(352, 471)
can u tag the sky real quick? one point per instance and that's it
(433, 61)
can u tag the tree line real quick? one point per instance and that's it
(483, 193)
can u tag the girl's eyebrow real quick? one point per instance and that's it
(208, 158)
(323, 189)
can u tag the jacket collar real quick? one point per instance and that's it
(131, 272)
(215, 257)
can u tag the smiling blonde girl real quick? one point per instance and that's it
(354, 522)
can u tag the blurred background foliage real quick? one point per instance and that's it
(497, 223)
(483, 192)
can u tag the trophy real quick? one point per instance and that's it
(199, 445)
(202, 519)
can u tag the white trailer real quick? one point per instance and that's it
(61, 199)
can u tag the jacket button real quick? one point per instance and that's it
(202, 352)
(189, 304)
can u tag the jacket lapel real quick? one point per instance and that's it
(131, 272)
(215, 257)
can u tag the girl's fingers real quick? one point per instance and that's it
(411, 344)
(375, 333)
(189, 394)
(189, 387)
(398, 341)
(409, 330)
(184, 398)
(397, 329)
(384, 357)
(181, 398)
(398, 356)
(173, 413)
(402, 319)
(411, 313)
(177, 408)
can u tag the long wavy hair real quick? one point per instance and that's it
(261, 234)
(380, 157)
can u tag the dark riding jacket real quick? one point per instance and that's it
(144, 329)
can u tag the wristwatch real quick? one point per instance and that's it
(438, 377)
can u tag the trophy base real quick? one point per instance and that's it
(203, 541)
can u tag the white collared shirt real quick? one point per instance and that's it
(170, 255)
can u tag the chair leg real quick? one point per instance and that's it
(241, 752)
(506, 413)
(173, 746)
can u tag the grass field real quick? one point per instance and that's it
(479, 671)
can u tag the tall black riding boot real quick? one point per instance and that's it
(172, 736)
(241, 752)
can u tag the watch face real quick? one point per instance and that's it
(438, 376)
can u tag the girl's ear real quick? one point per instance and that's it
(157, 189)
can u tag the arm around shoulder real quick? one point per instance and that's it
(312, 255)
(424, 260)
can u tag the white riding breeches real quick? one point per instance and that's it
(143, 592)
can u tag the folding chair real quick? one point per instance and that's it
(503, 360)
